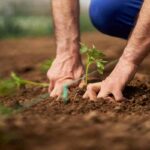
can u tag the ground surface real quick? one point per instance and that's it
(80, 124)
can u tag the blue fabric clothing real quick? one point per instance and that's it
(115, 17)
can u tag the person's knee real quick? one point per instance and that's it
(105, 16)
(102, 14)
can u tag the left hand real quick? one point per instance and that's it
(114, 83)
(64, 70)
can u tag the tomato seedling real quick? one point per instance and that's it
(93, 56)
(14, 83)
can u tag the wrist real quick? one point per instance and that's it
(135, 52)
(127, 68)
(124, 72)
(71, 56)
(131, 56)
(128, 61)
(68, 50)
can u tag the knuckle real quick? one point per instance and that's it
(49, 74)
(90, 85)
(103, 85)
(103, 94)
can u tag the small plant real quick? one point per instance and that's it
(14, 83)
(94, 56)
(46, 65)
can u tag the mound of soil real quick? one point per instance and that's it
(79, 124)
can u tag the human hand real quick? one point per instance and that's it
(114, 83)
(65, 69)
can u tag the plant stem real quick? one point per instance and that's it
(36, 84)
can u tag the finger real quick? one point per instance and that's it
(111, 99)
(95, 86)
(92, 95)
(103, 94)
(92, 90)
(51, 86)
(59, 87)
(58, 98)
(86, 95)
(57, 91)
(118, 96)
(82, 84)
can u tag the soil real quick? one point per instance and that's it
(79, 124)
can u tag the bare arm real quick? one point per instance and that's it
(137, 48)
(139, 43)
(66, 22)
(67, 65)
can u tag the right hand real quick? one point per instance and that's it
(114, 83)
(64, 70)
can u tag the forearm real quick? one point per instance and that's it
(66, 22)
(139, 43)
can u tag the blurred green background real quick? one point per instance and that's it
(19, 18)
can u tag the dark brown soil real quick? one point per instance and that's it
(79, 124)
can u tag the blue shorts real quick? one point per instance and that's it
(115, 17)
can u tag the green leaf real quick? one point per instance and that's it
(104, 62)
(97, 54)
(91, 59)
(11, 85)
(94, 53)
(18, 80)
(83, 48)
(100, 67)
(7, 87)
(93, 56)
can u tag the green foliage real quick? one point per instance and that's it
(94, 56)
(9, 86)
(14, 83)
(20, 26)
(9, 27)
(46, 65)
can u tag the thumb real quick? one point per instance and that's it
(119, 96)
(59, 87)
